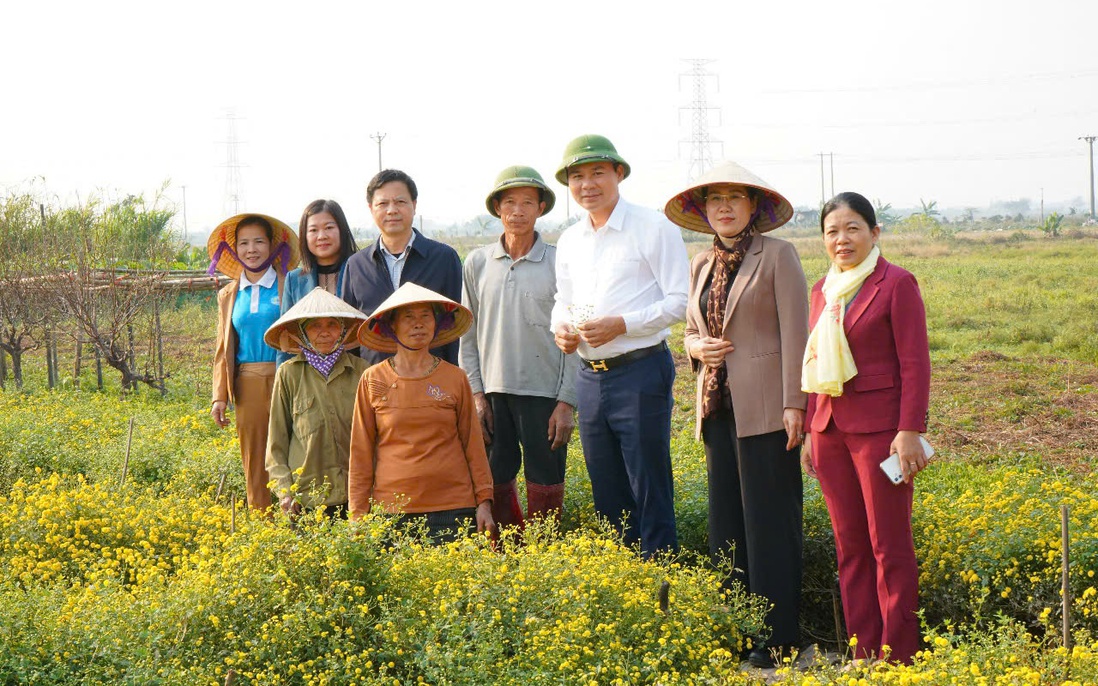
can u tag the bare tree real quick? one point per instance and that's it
(111, 309)
(23, 314)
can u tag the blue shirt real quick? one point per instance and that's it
(395, 263)
(367, 282)
(255, 309)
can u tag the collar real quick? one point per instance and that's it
(342, 362)
(616, 221)
(536, 254)
(266, 281)
(385, 251)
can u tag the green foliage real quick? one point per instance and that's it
(131, 234)
(21, 227)
(885, 215)
(112, 585)
(919, 224)
(930, 209)
(1052, 225)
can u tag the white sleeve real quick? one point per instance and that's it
(666, 256)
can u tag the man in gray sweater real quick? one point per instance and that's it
(523, 385)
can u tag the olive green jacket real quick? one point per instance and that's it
(310, 429)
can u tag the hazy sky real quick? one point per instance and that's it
(962, 102)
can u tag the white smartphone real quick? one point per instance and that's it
(891, 464)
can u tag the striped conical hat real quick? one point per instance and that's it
(221, 246)
(687, 209)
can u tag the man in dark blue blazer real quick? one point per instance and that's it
(400, 255)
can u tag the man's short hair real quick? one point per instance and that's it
(386, 176)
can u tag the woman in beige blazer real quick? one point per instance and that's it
(746, 328)
(255, 251)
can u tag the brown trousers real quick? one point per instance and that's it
(252, 388)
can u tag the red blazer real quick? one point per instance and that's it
(886, 329)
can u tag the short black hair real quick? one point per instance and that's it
(387, 176)
(855, 201)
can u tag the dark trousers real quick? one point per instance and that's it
(755, 507)
(520, 438)
(625, 429)
(443, 526)
(871, 516)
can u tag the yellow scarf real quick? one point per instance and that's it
(828, 363)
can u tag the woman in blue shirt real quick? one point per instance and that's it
(255, 251)
(325, 242)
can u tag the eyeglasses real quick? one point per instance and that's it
(730, 199)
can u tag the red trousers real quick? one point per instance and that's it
(871, 517)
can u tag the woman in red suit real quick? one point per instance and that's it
(867, 370)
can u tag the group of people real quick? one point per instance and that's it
(467, 374)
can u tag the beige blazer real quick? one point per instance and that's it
(766, 320)
(224, 364)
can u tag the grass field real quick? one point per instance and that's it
(147, 584)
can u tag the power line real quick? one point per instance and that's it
(917, 123)
(937, 84)
(902, 159)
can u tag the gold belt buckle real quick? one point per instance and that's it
(599, 366)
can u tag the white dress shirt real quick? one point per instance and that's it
(634, 266)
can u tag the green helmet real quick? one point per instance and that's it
(519, 176)
(589, 148)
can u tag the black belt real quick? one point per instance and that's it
(625, 358)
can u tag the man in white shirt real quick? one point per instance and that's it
(622, 281)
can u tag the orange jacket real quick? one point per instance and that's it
(416, 444)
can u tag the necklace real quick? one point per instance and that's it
(434, 365)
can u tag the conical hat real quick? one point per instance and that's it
(222, 246)
(375, 333)
(687, 209)
(317, 304)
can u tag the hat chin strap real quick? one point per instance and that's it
(408, 347)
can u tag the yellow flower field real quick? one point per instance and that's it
(147, 582)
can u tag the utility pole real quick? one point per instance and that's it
(1090, 142)
(823, 188)
(831, 155)
(1042, 205)
(379, 136)
(186, 242)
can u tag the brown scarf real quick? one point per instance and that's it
(726, 260)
